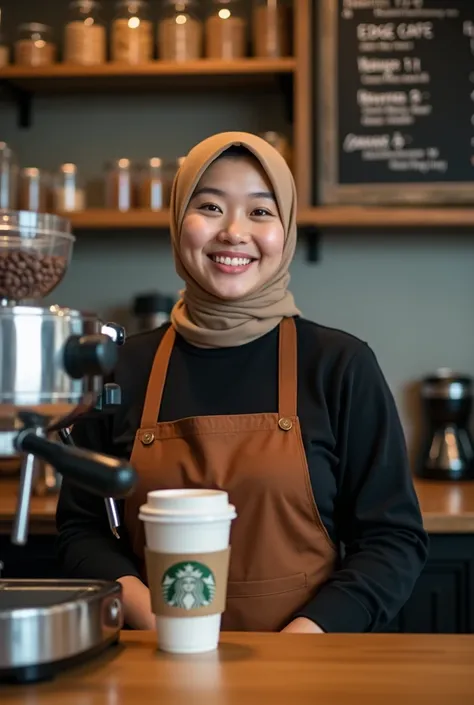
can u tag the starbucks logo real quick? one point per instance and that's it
(188, 585)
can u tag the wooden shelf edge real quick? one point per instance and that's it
(104, 219)
(329, 217)
(353, 217)
(156, 68)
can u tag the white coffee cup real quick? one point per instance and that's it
(186, 522)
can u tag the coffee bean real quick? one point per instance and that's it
(29, 274)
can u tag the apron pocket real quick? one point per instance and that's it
(264, 605)
(262, 588)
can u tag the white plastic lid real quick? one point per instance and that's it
(187, 502)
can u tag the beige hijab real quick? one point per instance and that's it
(202, 318)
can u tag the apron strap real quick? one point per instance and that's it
(156, 381)
(288, 370)
(287, 374)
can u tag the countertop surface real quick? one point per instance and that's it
(269, 669)
(42, 509)
(447, 507)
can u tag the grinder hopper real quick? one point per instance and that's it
(35, 251)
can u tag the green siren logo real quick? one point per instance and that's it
(188, 585)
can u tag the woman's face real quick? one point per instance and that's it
(232, 236)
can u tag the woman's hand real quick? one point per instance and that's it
(301, 625)
(136, 604)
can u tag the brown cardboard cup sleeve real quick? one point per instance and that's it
(187, 585)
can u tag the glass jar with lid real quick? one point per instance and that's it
(34, 46)
(85, 40)
(34, 192)
(280, 143)
(271, 28)
(226, 31)
(4, 50)
(120, 185)
(132, 33)
(180, 31)
(69, 194)
(152, 189)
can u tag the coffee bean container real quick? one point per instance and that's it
(43, 350)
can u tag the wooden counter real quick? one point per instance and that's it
(447, 508)
(42, 509)
(270, 669)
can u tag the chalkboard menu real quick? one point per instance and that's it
(396, 101)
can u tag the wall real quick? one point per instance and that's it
(411, 297)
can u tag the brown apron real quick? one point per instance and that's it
(281, 552)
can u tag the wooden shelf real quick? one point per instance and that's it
(330, 218)
(105, 219)
(354, 217)
(62, 78)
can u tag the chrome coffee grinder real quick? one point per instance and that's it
(447, 452)
(53, 361)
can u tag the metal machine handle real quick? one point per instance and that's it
(20, 524)
(89, 355)
(111, 509)
(115, 332)
(97, 473)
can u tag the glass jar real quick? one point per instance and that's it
(120, 185)
(226, 31)
(152, 189)
(85, 37)
(8, 177)
(4, 50)
(69, 194)
(34, 190)
(271, 28)
(180, 32)
(132, 33)
(34, 46)
(280, 143)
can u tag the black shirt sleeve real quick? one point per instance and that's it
(378, 516)
(86, 546)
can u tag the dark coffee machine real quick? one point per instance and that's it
(447, 452)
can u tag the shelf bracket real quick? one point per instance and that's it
(313, 243)
(285, 81)
(23, 100)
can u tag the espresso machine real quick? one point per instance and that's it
(53, 362)
(447, 452)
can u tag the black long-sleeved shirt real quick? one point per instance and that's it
(353, 441)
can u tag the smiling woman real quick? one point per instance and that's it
(239, 204)
(293, 419)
